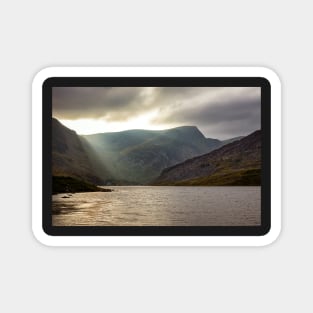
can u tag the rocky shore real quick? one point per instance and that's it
(66, 184)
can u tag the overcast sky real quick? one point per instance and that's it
(219, 112)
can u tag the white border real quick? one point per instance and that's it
(159, 240)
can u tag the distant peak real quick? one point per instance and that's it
(186, 127)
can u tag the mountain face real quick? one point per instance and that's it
(139, 156)
(127, 157)
(237, 163)
(69, 157)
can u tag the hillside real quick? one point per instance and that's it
(139, 156)
(237, 163)
(69, 157)
(129, 157)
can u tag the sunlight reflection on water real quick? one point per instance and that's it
(160, 206)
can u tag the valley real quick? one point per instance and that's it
(180, 156)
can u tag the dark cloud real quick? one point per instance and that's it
(95, 102)
(237, 112)
(219, 112)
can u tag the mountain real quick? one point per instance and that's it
(139, 156)
(69, 157)
(237, 163)
(129, 157)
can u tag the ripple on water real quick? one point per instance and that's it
(163, 206)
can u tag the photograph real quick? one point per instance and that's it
(156, 156)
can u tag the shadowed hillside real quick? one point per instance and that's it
(69, 157)
(237, 163)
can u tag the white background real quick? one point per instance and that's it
(37, 34)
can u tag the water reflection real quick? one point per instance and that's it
(160, 206)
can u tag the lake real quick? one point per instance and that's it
(159, 206)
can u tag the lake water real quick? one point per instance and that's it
(160, 206)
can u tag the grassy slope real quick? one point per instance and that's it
(246, 177)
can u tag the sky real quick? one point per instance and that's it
(218, 112)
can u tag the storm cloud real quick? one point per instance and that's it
(96, 102)
(219, 112)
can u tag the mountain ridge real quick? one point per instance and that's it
(140, 155)
(128, 157)
(232, 164)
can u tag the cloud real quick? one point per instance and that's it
(95, 102)
(219, 112)
(226, 113)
